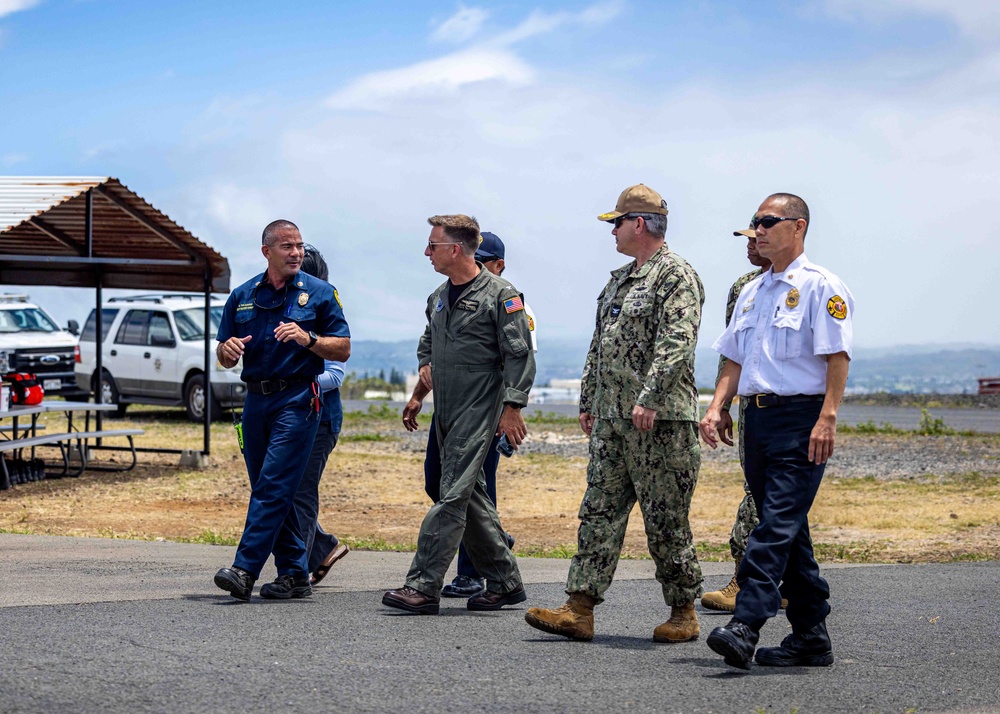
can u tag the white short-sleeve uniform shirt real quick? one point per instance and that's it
(784, 325)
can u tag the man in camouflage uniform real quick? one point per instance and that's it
(746, 514)
(639, 405)
(475, 354)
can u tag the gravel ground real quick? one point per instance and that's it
(856, 456)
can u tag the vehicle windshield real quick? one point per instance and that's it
(191, 322)
(27, 319)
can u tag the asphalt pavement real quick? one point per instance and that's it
(92, 625)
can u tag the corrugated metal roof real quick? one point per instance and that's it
(22, 197)
(43, 240)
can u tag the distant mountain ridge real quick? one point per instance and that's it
(946, 369)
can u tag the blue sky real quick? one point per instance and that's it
(359, 120)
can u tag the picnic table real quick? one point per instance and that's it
(23, 435)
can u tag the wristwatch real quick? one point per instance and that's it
(312, 339)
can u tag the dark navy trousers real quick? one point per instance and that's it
(278, 434)
(432, 485)
(779, 560)
(318, 542)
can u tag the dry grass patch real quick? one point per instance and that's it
(373, 495)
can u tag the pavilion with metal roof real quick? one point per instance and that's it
(92, 231)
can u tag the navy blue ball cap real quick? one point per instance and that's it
(490, 247)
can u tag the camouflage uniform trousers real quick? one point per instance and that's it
(659, 468)
(746, 514)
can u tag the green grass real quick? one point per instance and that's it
(366, 436)
(379, 545)
(541, 418)
(17, 531)
(211, 538)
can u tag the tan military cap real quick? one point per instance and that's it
(748, 232)
(636, 199)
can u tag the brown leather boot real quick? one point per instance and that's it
(681, 627)
(575, 619)
(724, 599)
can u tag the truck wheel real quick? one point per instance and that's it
(195, 399)
(111, 395)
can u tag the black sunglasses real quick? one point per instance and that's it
(769, 221)
(622, 219)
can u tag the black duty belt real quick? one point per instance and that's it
(271, 386)
(776, 400)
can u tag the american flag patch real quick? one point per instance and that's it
(513, 305)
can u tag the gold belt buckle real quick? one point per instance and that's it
(757, 400)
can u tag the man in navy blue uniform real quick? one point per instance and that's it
(788, 348)
(284, 324)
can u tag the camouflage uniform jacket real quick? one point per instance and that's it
(642, 351)
(734, 294)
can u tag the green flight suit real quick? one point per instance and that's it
(642, 354)
(480, 354)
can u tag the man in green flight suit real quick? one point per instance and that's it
(639, 406)
(476, 355)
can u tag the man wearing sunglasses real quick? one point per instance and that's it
(639, 406)
(788, 349)
(283, 323)
(746, 514)
(468, 582)
(476, 352)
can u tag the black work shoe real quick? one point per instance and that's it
(412, 600)
(735, 641)
(495, 601)
(464, 586)
(236, 581)
(286, 587)
(809, 648)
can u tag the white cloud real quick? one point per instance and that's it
(9, 7)
(462, 26)
(975, 18)
(434, 77)
(491, 61)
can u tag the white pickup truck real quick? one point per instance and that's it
(31, 341)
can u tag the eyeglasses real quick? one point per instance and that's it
(431, 244)
(769, 221)
(622, 219)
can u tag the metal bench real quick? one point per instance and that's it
(63, 441)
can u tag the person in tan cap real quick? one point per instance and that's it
(639, 406)
(746, 514)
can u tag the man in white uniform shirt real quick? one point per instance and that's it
(789, 348)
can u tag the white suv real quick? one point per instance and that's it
(31, 341)
(154, 353)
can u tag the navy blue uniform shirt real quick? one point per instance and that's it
(255, 308)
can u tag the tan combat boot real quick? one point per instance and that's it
(681, 627)
(724, 599)
(575, 619)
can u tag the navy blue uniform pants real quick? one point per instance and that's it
(278, 434)
(318, 542)
(779, 560)
(432, 485)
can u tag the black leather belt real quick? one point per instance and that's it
(776, 400)
(271, 386)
